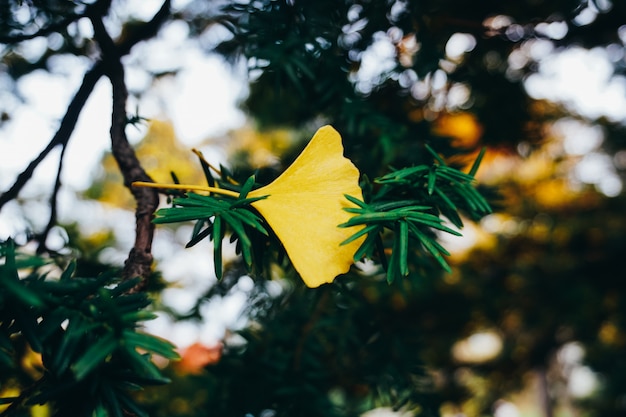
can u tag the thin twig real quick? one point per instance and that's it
(62, 136)
(68, 123)
(51, 28)
(53, 205)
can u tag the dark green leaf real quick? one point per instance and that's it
(218, 235)
(432, 178)
(247, 187)
(435, 155)
(355, 201)
(357, 235)
(403, 247)
(129, 405)
(150, 343)
(430, 246)
(252, 220)
(94, 356)
(8, 400)
(143, 366)
(200, 236)
(137, 316)
(477, 162)
(69, 271)
(369, 244)
(111, 399)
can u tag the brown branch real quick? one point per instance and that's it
(139, 261)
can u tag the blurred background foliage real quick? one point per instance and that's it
(532, 319)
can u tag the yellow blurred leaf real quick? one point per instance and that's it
(251, 148)
(8, 391)
(464, 128)
(554, 193)
(38, 410)
(160, 153)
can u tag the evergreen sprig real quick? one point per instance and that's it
(411, 203)
(216, 216)
(87, 331)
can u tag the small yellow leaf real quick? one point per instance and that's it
(306, 204)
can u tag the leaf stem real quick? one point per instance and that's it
(208, 164)
(199, 155)
(186, 187)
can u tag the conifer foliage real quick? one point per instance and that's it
(356, 303)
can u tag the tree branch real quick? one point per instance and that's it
(53, 205)
(68, 123)
(140, 258)
(51, 28)
(139, 261)
(146, 31)
(62, 136)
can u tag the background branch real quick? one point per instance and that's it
(62, 136)
(68, 123)
(53, 205)
(51, 28)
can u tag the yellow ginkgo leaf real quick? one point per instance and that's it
(306, 204)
